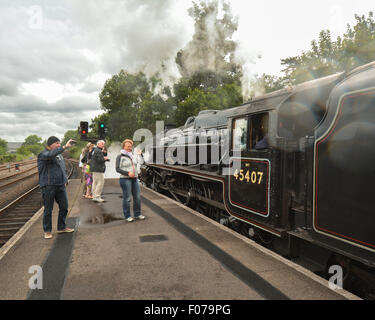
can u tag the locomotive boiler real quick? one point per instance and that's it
(293, 169)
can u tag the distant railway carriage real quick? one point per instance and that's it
(294, 169)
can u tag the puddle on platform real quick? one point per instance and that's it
(103, 219)
(100, 219)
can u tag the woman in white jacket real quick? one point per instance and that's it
(126, 165)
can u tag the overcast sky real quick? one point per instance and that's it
(56, 55)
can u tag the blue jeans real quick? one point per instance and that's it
(130, 187)
(50, 194)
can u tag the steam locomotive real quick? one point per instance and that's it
(293, 169)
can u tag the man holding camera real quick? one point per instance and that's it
(52, 182)
(97, 167)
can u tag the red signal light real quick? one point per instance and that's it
(83, 129)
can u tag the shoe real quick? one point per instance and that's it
(130, 219)
(140, 217)
(48, 235)
(98, 200)
(65, 230)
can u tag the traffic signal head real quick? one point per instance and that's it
(83, 129)
(102, 130)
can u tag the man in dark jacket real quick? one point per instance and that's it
(97, 167)
(52, 182)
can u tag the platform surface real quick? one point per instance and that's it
(174, 254)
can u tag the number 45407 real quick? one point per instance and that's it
(249, 176)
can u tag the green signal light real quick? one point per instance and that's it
(102, 125)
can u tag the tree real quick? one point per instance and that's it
(205, 90)
(32, 145)
(72, 134)
(223, 97)
(355, 48)
(131, 101)
(32, 140)
(358, 43)
(265, 84)
(3, 146)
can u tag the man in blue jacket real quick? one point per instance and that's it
(52, 182)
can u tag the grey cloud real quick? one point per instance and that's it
(23, 103)
(8, 86)
(130, 34)
(18, 126)
(48, 52)
(90, 87)
(140, 35)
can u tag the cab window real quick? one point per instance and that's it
(258, 133)
(239, 134)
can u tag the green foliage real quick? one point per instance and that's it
(3, 146)
(9, 157)
(197, 99)
(30, 150)
(94, 126)
(31, 146)
(26, 152)
(265, 84)
(131, 102)
(356, 47)
(32, 140)
(326, 56)
(75, 151)
(72, 134)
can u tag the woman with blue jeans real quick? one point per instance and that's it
(126, 165)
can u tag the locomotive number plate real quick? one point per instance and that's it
(249, 185)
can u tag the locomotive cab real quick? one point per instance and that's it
(268, 167)
(252, 156)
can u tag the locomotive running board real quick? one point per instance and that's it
(277, 232)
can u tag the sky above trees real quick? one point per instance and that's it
(56, 56)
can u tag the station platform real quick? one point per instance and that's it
(174, 254)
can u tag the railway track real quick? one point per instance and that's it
(16, 213)
(12, 165)
(17, 177)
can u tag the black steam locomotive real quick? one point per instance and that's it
(293, 169)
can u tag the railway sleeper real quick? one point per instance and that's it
(21, 220)
(10, 229)
(26, 216)
(6, 235)
(10, 224)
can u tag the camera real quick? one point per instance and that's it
(73, 142)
